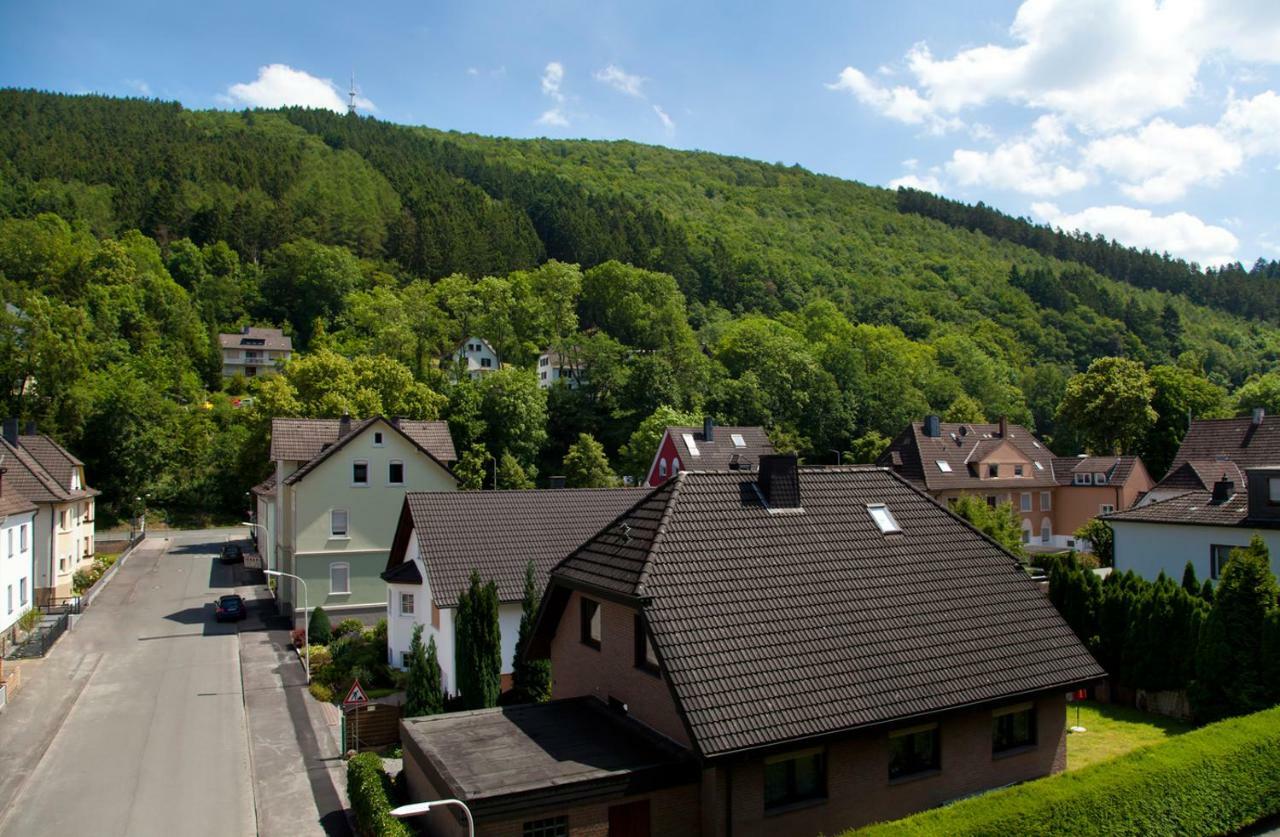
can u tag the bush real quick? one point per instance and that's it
(30, 619)
(348, 627)
(321, 630)
(320, 692)
(1214, 780)
(370, 792)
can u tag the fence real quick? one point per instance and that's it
(371, 727)
(40, 640)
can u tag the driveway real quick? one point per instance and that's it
(136, 724)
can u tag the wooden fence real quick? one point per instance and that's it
(371, 727)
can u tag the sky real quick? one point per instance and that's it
(1157, 124)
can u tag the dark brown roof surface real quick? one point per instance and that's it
(1195, 509)
(266, 488)
(34, 467)
(498, 532)
(777, 627)
(11, 502)
(717, 454)
(1117, 468)
(915, 456)
(273, 339)
(301, 440)
(1236, 439)
(358, 427)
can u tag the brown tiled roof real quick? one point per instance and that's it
(33, 469)
(11, 502)
(778, 627)
(301, 440)
(719, 453)
(915, 456)
(266, 488)
(1194, 508)
(497, 533)
(358, 427)
(1236, 439)
(273, 339)
(1117, 468)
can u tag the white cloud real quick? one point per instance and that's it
(927, 183)
(1102, 64)
(139, 85)
(1023, 164)
(622, 81)
(279, 85)
(668, 123)
(472, 71)
(1179, 233)
(554, 117)
(552, 76)
(1255, 122)
(1160, 162)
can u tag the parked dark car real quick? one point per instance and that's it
(229, 608)
(232, 553)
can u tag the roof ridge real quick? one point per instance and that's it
(667, 510)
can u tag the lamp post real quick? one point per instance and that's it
(264, 529)
(306, 622)
(415, 808)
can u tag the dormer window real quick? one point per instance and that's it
(993, 471)
(883, 518)
(1099, 479)
(943, 465)
(75, 480)
(1017, 470)
(1084, 479)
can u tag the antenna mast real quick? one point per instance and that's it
(351, 94)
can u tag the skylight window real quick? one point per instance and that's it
(692, 445)
(883, 518)
(944, 466)
(738, 441)
(1039, 466)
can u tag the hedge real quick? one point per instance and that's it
(368, 788)
(1214, 780)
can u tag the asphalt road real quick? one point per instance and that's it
(146, 709)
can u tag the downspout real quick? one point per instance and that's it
(728, 800)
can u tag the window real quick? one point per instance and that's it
(795, 777)
(22, 592)
(1273, 490)
(360, 473)
(404, 659)
(338, 523)
(646, 656)
(1026, 533)
(690, 444)
(486, 363)
(1084, 479)
(993, 470)
(591, 623)
(738, 441)
(1026, 501)
(943, 465)
(62, 519)
(1013, 727)
(9, 596)
(10, 538)
(1017, 470)
(1046, 501)
(1106, 508)
(406, 604)
(1039, 465)
(339, 579)
(395, 473)
(662, 467)
(675, 464)
(1046, 533)
(883, 518)
(549, 827)
(544, 376)
(914, 751)
(991, 500)
(377, 439)
(1099, 479)
(1219, 555)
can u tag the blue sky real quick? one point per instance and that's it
(1155, 123)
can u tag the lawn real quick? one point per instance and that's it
(1114, 731)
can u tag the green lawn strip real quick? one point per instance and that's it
(1112, 731)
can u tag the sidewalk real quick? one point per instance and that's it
(299, 774)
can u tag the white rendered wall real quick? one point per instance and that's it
(1148, 548)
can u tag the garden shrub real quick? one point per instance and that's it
(30, 619)
(1215, 780)
(371, 791)
(319, 627)
(348, 627)
(320, 692)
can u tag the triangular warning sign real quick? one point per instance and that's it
(355, 697)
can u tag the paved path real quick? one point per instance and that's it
(136, 724)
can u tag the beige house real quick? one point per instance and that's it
(339, 488)
(45, 473)
(254, 351)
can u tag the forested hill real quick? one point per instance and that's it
(132, 231)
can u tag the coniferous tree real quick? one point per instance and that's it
(1189, 582)
(319, 628)
(479, 645)
(424, 695)
(586, 466)
(532, 678)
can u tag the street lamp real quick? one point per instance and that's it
(258, 526)
(306, 623)
(415, 808)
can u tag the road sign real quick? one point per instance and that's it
(356, 697)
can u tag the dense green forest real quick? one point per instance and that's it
(689, 284)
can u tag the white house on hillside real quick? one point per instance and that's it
(477, 354)
(17, 524)
(555, 366)
(254, 351)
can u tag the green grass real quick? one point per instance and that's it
(1113, 731)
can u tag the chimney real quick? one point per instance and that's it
(932, 426)
(779, 481)
(31, 428)
(1258, 415)
(1223, 490)
(11, 431)
(555, 482)
(395, 421)
(344, 425)
(1004, 427)
(708, 429)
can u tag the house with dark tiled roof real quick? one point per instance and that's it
(1005, 463)
(827, 648)
(335, 496)
(47, 474)
(254, 351)
(443, 536)
(1222, 487)
(707, 448)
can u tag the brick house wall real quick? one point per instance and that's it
(610, 672)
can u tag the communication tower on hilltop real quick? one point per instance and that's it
(351, 95)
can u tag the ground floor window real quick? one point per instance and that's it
(22, 592)
(1013, 727)
(548, 827)
(406, 604)
(915, 750)
(1219, 555)
(795, 777)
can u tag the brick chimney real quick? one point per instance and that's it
(11, 431)
(1258, 415)
(1004, 427)
(344, 425)
(556, 482)
(932, 426)
(708, 429)
(779, 480)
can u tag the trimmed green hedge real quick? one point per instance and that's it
(369, 790)
(1214, 780)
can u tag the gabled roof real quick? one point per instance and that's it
(1195, 508)
(11, 502)
(1117, 468)
(40, 469)
(357, 428)
(497, 533)
(272, 339)
(962, 445)
(266, 488)
(1236, 439)
(722, 451)
(301, 440)
(776, 628)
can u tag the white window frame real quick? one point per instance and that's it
(662, 467)
(10, 539)
(343, 565)
(883, 518)
(675, 465)
(406, 598)
(1084, 479)
(346, 523)
(738, 441)
(1046, 501)
(378, 441)
(22, 538)
(1025, 501)
(1106, 508)
(22, 592)
(1099, 479)
(389, 466)
(1046, 531)
(943, 465)
(354, 482)
(691, 444)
